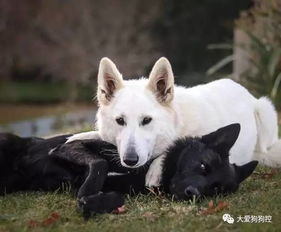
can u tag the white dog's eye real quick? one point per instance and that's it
(146, 120)
(120, 121)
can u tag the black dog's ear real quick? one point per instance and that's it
(242, 172)
(222, 139)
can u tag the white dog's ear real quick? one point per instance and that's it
(109, 80)
(161, 81)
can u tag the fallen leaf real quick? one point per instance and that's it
(267, 175)
(48, 221)
(53, 218)
(150, 216)
(120, 210)
(211, 204)
(33, 223)
(212, 209)
(55, 215)
(221, 205)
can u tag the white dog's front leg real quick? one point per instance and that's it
(84, 135)
(154, 174)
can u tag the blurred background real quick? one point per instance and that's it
(50, 50)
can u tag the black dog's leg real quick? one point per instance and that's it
(90, 199)
(96, 169)
(100, 203)
(95, 179)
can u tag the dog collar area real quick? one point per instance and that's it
(117, 173)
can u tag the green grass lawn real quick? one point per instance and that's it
(258, 195)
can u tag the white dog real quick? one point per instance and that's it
(143, 117)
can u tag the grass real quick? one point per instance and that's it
(258, 195)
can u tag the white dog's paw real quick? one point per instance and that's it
(85, 135)
(154, 174)
(152, 179)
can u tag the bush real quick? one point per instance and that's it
(262, 24)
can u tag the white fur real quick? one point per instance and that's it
(84, 135)
(177, 111)
(150, 140)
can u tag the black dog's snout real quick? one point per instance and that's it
(191, 191)
(131, 157)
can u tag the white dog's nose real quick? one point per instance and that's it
(131, 157)
(131, 161)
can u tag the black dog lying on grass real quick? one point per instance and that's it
(193, 167)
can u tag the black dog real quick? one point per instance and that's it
(200, 166)
(193, 167)
(26, 164)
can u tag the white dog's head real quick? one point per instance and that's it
(136, 115)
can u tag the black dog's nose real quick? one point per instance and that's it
(191, 191)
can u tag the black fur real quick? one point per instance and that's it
(34, 164)
(27, 164)
(200, 166)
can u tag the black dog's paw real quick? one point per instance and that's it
(100, 203)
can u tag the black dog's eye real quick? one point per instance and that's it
(120, 121)
(146, 120)
(203, 168)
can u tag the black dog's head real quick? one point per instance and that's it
(202, 167)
